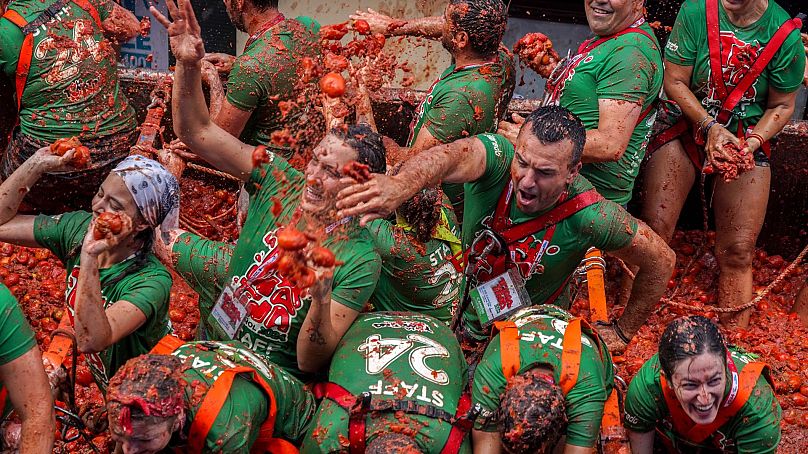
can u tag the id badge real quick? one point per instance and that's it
(499, 297)
(228, 313)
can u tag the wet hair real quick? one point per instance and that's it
(552, 124)
(484, 21)
(687, 337)
(422, 211)
(149, 387)
(367, 143)
(532, 413)
(264, 5)
(393, 443)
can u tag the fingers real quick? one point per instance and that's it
(355, 193)
(190, 16)
(368, 218)
(518, 119)
(67, 157)
(159, 17)
(173, 11)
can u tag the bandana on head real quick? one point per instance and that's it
(155, 190)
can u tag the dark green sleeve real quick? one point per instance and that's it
(237, 425)
(383, 239)
(244, 90)
(149, 289)
(356, 279)
(627, 73)
(758, 425)
(489, 384)
(608, 226)
(498, 156)
(203, 264)
(104, 8)
(643, 399)
(787, 69)
(16, 336)
(451, 115)
(63, 233)
(585, 403)
(311, 24)
(684, 41)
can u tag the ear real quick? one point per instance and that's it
(573, 173)
(462, 40)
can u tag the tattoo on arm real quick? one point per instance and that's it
(315, 336)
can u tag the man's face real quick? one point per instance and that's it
(606, 17)
(146, 437)
(234, 11)
(699, 384)
(540, 172)
(323, 174)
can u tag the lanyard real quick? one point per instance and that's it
(733, 370)
(265, 28)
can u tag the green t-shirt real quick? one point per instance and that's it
(395, 356)
(754, 429)
(541, 332)
(16, 336)
(276, 308)
(237, 425)
(464, 102)
(417, 277)
(267, 73)
(627, 68)
(72, 87)
(604, 225)
(148, 288)
(740, 47)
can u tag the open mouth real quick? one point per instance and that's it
(600, 11)
(526, 197)
(313, 195)
(703, 410)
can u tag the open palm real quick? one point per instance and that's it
(184, 33)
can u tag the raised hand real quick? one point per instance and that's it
(379, 23)
(184, 32)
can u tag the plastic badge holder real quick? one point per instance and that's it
(228, 314)
(500, 297)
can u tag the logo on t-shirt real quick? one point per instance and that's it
(70, 53)
(272, 301)
(737, 57)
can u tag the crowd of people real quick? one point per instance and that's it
(386, 298)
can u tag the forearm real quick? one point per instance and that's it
(38, 429)
(679, 92)
(601, 147)
(14, 189)
(774, 120)
(426, 27)
(318, 337)
(216, 94)
(93, 331)
(649, 285)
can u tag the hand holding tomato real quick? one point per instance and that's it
(106, 232)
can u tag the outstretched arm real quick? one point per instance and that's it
(425, 27)
(121, 25)
(456, 162)
(30, 394)
(192, 121)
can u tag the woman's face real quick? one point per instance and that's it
(699, 383)
(114, 196)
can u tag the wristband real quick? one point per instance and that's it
(701, 122)
(756, 136)
(707, 128)
(620, 333)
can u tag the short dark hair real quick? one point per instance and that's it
(687, 337)
(392, 443)
(147, 386)
(532, 413)
(367, 143)
(264, 5)
(551, 124)
(484, 21)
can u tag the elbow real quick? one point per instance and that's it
(307, 366)
(667, 262)
(88, 345)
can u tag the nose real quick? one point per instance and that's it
(704, 396)
(529, 180)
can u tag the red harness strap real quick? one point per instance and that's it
(358, 407)
(27, 49)
(215, 399)
(697, 433)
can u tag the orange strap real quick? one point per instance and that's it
(167, 345)
(508, 348)
(60, 345)
(697, 433)
(597, 291)
(570, 353)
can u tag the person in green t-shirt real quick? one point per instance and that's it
(411, 367)
(510, 187)
(698, 395)
(421, 258)
(117, 292)
(157, 401)
(71, 89)
(25, 388)
(701, 130)
(296, 328)
(532, 406)
(472, 94)
(612, 85)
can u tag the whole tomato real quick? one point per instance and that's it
(333, 85)
(108, 223)
(361, 27)
(291, 239)
(321, 256)
(259, 156)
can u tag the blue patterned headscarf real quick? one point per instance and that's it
(155, 190)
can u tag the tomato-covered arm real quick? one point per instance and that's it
(779, 108)
(192, 121)
(616, 121)
(641, 442)
(15, 228)
(30, 394)
(425, 27)
(121, 25)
